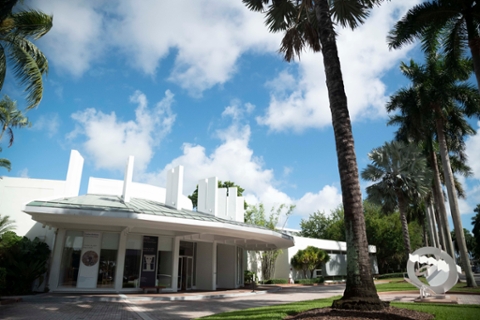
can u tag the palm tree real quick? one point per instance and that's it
(476, 230)
(310, 24)
(27, 61)
(415, 126)
(401, 176)
(443, 96)
(455, 23)
(11, 117)
(6, 224)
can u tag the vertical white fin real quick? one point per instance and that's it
(127, 182)
(74, 174)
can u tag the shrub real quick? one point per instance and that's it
(24, 261)
(310, 281)
(391, 275)
(249, 276)
(276, 281)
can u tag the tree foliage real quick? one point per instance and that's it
(18, 28)
(469, 240)
(322, 226)
(401, 177)
(383, 231)
(6, 224)
(256, 215)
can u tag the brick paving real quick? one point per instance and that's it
(193, 305)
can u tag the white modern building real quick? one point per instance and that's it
(123, 236)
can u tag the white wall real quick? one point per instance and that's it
(335, 267)
(226, 256)
(16, 192)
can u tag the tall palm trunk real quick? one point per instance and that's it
(402, 207)
(360, 290)
(442, 211)
(452, 199)
(432, 226)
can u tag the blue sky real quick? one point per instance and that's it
(200, 83)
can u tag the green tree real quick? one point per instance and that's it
(469, 240)
(308, 260)
(320, 226)
(11, 117)
(400, 176)
(385, 232)
(226, 184)
(455, 24)
(310, 24)
(6, 224)
(256, 215)
(442, 91)
(27, 61)
(476, 230)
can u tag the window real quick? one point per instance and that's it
(71, 258)
(133, 255)
(108, 260)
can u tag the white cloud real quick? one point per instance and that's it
(77, 37)
(206, 36)
(234, 160)
(473, 152)
(48, 123)
(325, 200)
(23, 173)
(109, 141)
(300, 103)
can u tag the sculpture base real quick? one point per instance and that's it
(443, 299)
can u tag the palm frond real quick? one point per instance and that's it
(27, 70)
(3, 66)
(256, 5)
(32, 23)
(417, 21)
(5, 163)
(350, 13)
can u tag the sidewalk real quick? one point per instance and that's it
(177, 305)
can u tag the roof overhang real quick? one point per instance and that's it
(246, 236)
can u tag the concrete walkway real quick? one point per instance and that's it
(175, 306)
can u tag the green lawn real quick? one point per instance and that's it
(464, 312)
(398, 284)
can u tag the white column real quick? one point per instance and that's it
(214, 265)
(122, 245)
(176, 250)
(57, 259)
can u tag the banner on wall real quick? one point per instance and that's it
(89, 261)
(149, 261)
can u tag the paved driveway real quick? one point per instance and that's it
(145, 307)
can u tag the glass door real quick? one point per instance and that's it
(185, 273)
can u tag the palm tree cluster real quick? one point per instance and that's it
(432, 111)
(28, 63)
(431, 116)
